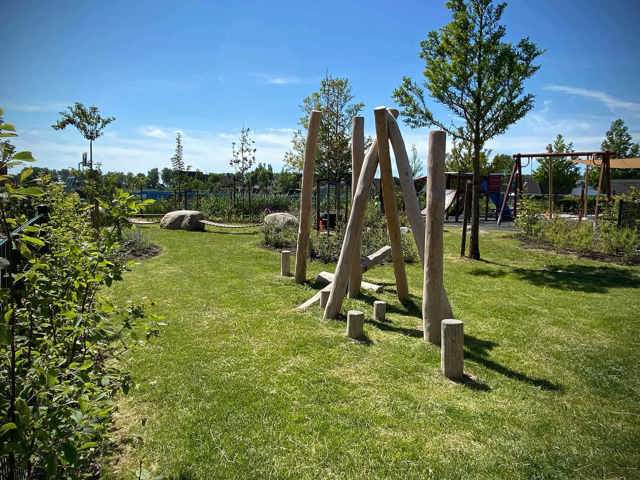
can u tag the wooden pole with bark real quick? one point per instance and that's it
(405, 173)
(357, 158)
(390, 207)
(306, 196)
(433, 307)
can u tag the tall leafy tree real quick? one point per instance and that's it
(335, 100)
(478, 76)
(619, 141)
(153, 178)
(565, 173)
(502, 163)
(87, 120)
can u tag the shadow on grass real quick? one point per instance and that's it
(390, 327)
(473, 383)
(477, 350)
(584, 278)
(487, 272)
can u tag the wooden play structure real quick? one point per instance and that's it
(428, 235)
(602, 160)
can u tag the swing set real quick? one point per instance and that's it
(601, 160)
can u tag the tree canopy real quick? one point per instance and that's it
(335, 100)
(478, 76)
(565, 172)
(619, 141)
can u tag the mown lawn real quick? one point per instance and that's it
(239, 385)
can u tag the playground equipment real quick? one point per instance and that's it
(601, 160)
(428, 237)
(490, 188)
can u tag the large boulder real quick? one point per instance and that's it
(183, 220)
(280, 220)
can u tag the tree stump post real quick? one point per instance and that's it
(379, 310)
(433, 295)
(306, 193)
(285, 264)
(324, 298)
(357, 159)
(452, 350)
(355, 324)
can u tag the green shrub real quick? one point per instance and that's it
(223, 208)
(278, 238)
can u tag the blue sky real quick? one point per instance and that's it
(209, 68)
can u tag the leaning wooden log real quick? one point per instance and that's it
(390, 208)
(328, 277)
(357, 158)
(348, 252)
(405, 173)
(433, 299)
(313, 300)
(306, 193)
(376, 258)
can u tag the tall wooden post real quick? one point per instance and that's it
(585, 193)
(356, 219)
(433, 307)
(357, 158)
(390, 207)
(306, 194)
(405, 173)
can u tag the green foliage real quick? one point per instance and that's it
(243, 154)
(224, 208)
(87, 121)
(478, 76)
(460, 159)
(619, 141)
(604, 238)
(565, 172)
(60, 343)
(334, 99)
(326, 246)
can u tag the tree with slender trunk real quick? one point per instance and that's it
(87, 120)
(473, 71)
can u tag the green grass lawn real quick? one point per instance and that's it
(239, 385)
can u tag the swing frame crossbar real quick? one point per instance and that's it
(601, 159)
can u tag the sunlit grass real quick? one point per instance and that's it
(239, 385)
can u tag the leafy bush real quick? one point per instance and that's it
(605, 238)
(326, 247)
(275, 237)
(223, 208)
(60, 343)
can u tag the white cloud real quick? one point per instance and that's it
(151, 147)
(36, 107)
(271, 79)
(609, 101)
(154, 132)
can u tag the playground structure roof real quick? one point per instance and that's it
(614, 162)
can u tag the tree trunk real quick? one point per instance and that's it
(474, 242)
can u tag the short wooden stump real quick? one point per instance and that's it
(355, 324)
(285, 263)
(379, 310)
(452, 348)
(324, 298)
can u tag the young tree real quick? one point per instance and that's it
(243, 154)
(417, 165)
(473, 71)
(618, 140)
(565, 173)
(87, 121)
(334, 99)
(177, 164)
